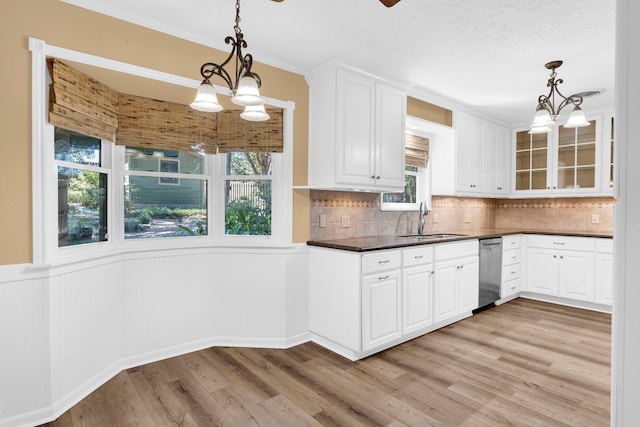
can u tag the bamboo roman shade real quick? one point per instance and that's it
(416, 151)
(236, 134)
(145, 122)
(85, 105)
(80, 103)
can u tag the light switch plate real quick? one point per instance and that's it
(323, 221)
(595, 219)
(346, 221)
(467, 217)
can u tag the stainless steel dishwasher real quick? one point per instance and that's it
(490, 272)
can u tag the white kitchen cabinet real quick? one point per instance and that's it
(381, 309)
(561, 266)
(417, 289)
(470, 158)
(482, 154)
(456, 276)
(511, 283)
(604, 272)
(565, 161)
(356, 131)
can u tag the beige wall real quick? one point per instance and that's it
(75, 28)
(457, 214)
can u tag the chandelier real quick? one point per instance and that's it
(547, 112)
(243, 85)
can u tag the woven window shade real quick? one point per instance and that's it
(416, 151)
(145, 122)
(237, 134)
(80, 103)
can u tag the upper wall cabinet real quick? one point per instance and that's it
(565, 161)
(480, 158)
(356, 131)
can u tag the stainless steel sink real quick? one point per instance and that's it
(433, 236)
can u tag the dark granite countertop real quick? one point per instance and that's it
(373, 243)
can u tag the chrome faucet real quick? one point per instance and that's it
(423, 212)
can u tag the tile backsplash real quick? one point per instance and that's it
(364, 218)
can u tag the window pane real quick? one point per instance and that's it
(247, 207)
(409, 195)
(74, 147)
(153, 160)
(248, 163)
(82, 207)
(154, 209)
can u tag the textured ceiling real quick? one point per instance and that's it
(486, 54)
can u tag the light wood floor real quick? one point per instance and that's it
(524, 363)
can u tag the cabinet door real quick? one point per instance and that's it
(467, 283)
(417, 298)
(542, 271)
(532, 162)
(354, 128)
(499, 174)
(470, 158)
(604, 279)
(390, 128)
(381, 305)
(576, 275)
(445, 300)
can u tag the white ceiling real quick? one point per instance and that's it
(486, 54)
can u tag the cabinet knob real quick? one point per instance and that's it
(373, 177)
(378, 177)
(561, 257)
(555, 256)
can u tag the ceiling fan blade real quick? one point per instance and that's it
(389, 3)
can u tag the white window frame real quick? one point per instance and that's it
(44, 191)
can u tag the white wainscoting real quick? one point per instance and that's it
(66, 330)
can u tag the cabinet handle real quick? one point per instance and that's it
(418, 257)
(513, 272)
(513, 257)
(513, 287)
(559, 243)
(384, 261)
(383, 278)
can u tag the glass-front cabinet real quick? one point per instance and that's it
(565, 161)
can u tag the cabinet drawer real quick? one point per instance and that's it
(511, 257)
(511, 287)
(569, 243)
(456, 249)
(511, 242)
(510, 272)
(380, 261)
(417, 256)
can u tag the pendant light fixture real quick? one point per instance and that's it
(547, 112)
(244, 85)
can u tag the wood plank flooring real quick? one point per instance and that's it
(524, 363)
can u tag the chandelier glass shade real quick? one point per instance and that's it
(244, 84)
(547, 112)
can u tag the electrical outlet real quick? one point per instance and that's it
(595, 219)
(346, 221)
(323, 221)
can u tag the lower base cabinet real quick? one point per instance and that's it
(363, 303)
(573, 268)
